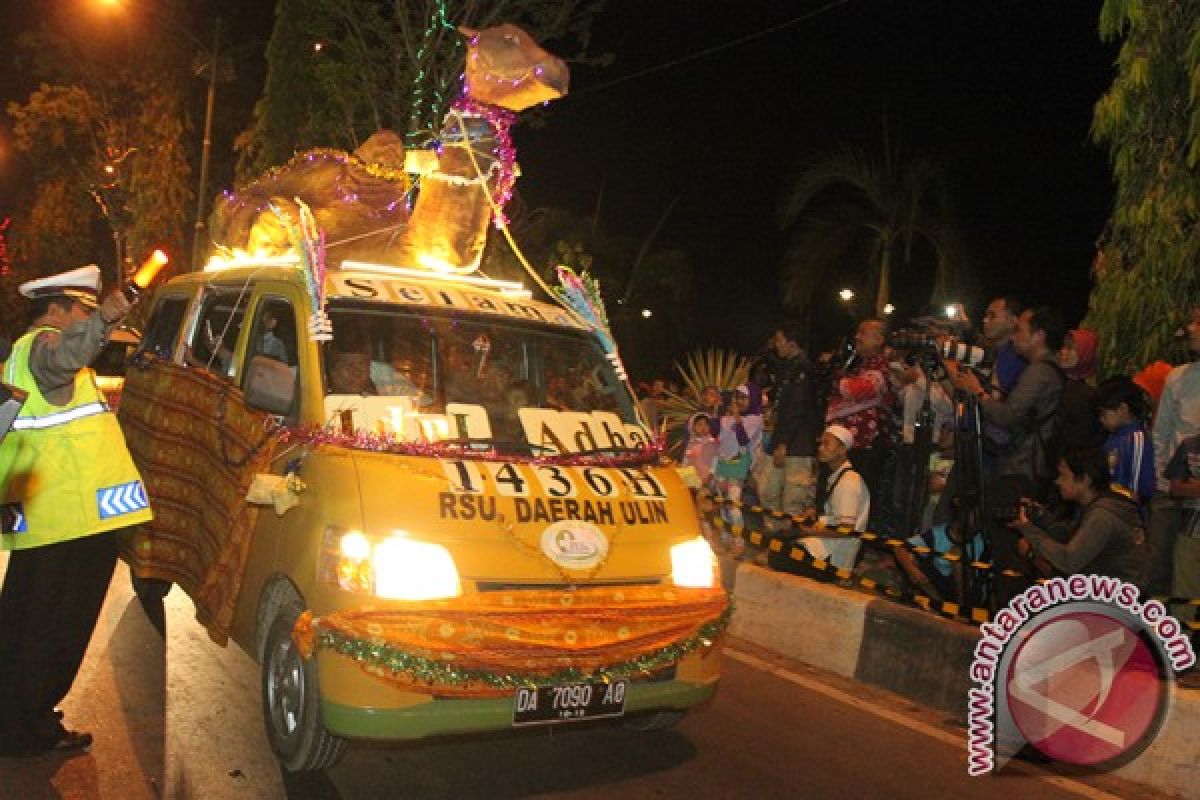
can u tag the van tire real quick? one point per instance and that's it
(654, 721)
(291, 699)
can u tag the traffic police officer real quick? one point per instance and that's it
(67, 484)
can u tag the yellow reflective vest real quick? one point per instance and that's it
(65, 472)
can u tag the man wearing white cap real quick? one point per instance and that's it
(67, 483)
(847, 500)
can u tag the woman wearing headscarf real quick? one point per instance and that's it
(1079, 425)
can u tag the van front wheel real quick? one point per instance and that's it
(291, 701)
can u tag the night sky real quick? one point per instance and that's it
(1001, 92)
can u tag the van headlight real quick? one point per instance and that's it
(694, 564)
(394, 567)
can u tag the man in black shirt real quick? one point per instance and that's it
(788, 481)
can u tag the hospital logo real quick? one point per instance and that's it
(574, 544)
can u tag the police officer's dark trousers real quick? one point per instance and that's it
(49, 606)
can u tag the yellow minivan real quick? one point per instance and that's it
(424, 503)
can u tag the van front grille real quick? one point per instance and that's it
(500, 586)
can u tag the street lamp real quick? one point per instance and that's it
(846, 294)
(647, 313)
(889, 309)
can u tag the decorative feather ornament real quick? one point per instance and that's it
(309, 242)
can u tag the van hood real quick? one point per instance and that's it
(516, 523)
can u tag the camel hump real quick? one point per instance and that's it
(507, 68)
(350, 194)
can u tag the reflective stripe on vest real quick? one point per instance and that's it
(61, 418)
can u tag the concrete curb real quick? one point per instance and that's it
(817, 624)
(918, 656)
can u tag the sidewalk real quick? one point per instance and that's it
(920, 656)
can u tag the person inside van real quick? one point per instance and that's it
(269, 343)
(350, 366)
(463, 382)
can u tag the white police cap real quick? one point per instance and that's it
(82, 284)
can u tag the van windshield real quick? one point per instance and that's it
(493, 379)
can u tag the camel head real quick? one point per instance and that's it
(506, 68)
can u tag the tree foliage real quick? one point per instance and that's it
(700, 369)
(339, 70)
(104, 135)
(1149, 120)
(865, 217)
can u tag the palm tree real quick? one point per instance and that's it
(847, 208)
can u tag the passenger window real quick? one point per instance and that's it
(217, 329)
(163, 330)
(274, 333)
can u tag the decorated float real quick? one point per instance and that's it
(420, 497)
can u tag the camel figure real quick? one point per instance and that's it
(362, 200)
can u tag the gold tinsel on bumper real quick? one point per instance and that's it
(490, 643)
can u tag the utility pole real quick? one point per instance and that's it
(198, 235)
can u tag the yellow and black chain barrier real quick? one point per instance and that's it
(775, 543)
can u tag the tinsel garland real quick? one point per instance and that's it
(331, 154)
(501, 121)
(385, 443)
(5, 264)
(436, 672)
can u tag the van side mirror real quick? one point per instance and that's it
(270, 385)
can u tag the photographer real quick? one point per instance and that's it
(1028, 412)
(1107, 537)
(861, 400)
(999, 327)
(1028, 416)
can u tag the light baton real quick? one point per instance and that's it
(145, 275)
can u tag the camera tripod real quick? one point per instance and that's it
(969, 502)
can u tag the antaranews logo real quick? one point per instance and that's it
(1078, 668)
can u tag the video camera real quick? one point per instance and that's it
(833, 363)
(1035, 512)
(931, 350)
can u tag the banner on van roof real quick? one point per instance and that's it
(445, 294)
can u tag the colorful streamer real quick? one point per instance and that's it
(309, 242)
(582, 294)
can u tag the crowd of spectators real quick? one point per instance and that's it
(1074, 474)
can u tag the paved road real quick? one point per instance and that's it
(188, 726)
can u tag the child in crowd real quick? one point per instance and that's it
(740, 437)
(699, 464)
(701, 452)
(1121, 406)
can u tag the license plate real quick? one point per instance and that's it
(569, 702)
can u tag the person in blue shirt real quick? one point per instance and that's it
(1121, 407)
(999, 325)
